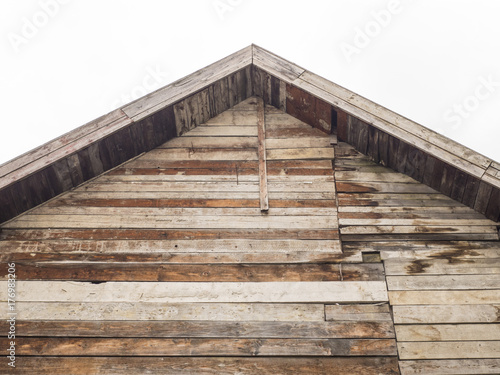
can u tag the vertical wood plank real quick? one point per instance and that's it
(459, 182)
(470, 193)
(447, 179)
(341, 125)
(372, 150)
(383, 148)
(483, 197)
(261, 124)
(275, 92)
(7, 203)
(493, 209)
(75, 169)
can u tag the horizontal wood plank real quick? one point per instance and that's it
(202, 292)
(208, 365)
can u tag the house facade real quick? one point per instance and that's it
(252, 218)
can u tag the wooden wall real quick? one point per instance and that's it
(441, 262)
(167, 265)
(408, 159)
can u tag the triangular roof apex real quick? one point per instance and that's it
(387, 137)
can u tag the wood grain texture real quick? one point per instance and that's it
(210, 365)
(199, 292)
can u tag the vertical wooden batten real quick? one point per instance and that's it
(261, 124)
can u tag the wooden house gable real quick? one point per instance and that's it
(252, 218)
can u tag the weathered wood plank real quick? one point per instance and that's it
(305, 142)
(211, 142)
(261, 125)
(201, 154)
(222, 131)
(448, 332)
(382, 187)
(201, 347)
(172, 257)
(357, 312)
(212, 242)
(146, 311)
(204, 292)
(422, 222)
(130, 202)
(452, 263)
(171, 222)
(208, 365)
(165, 234)
(438, 297)
(449, 349)
(301, 154)
(431, 314)
(450, 366)
(204, 329)
(174, 211)
(196, 273)
(444, 282)
(278, 67)
(417, 229)
(234, 117)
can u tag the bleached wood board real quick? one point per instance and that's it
(301, 153)
(448, 332)
(305, 142)
(211, 142)
(199, 292)
(358, 312)
(262, 151)
(449, 349)
(177, 186)
(234, 117)
(234, 177)
(222, 131)
(173, 222)
(276, 257)
(444, 282)
(450, 366)
(194, 195)
(439, 297)
(163, 310)
(176, 246)
(175, 211)
(431, 314)
(211, 186)
(201, 154)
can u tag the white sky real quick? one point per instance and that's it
(66, 62)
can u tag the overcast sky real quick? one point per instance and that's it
(66, 62)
